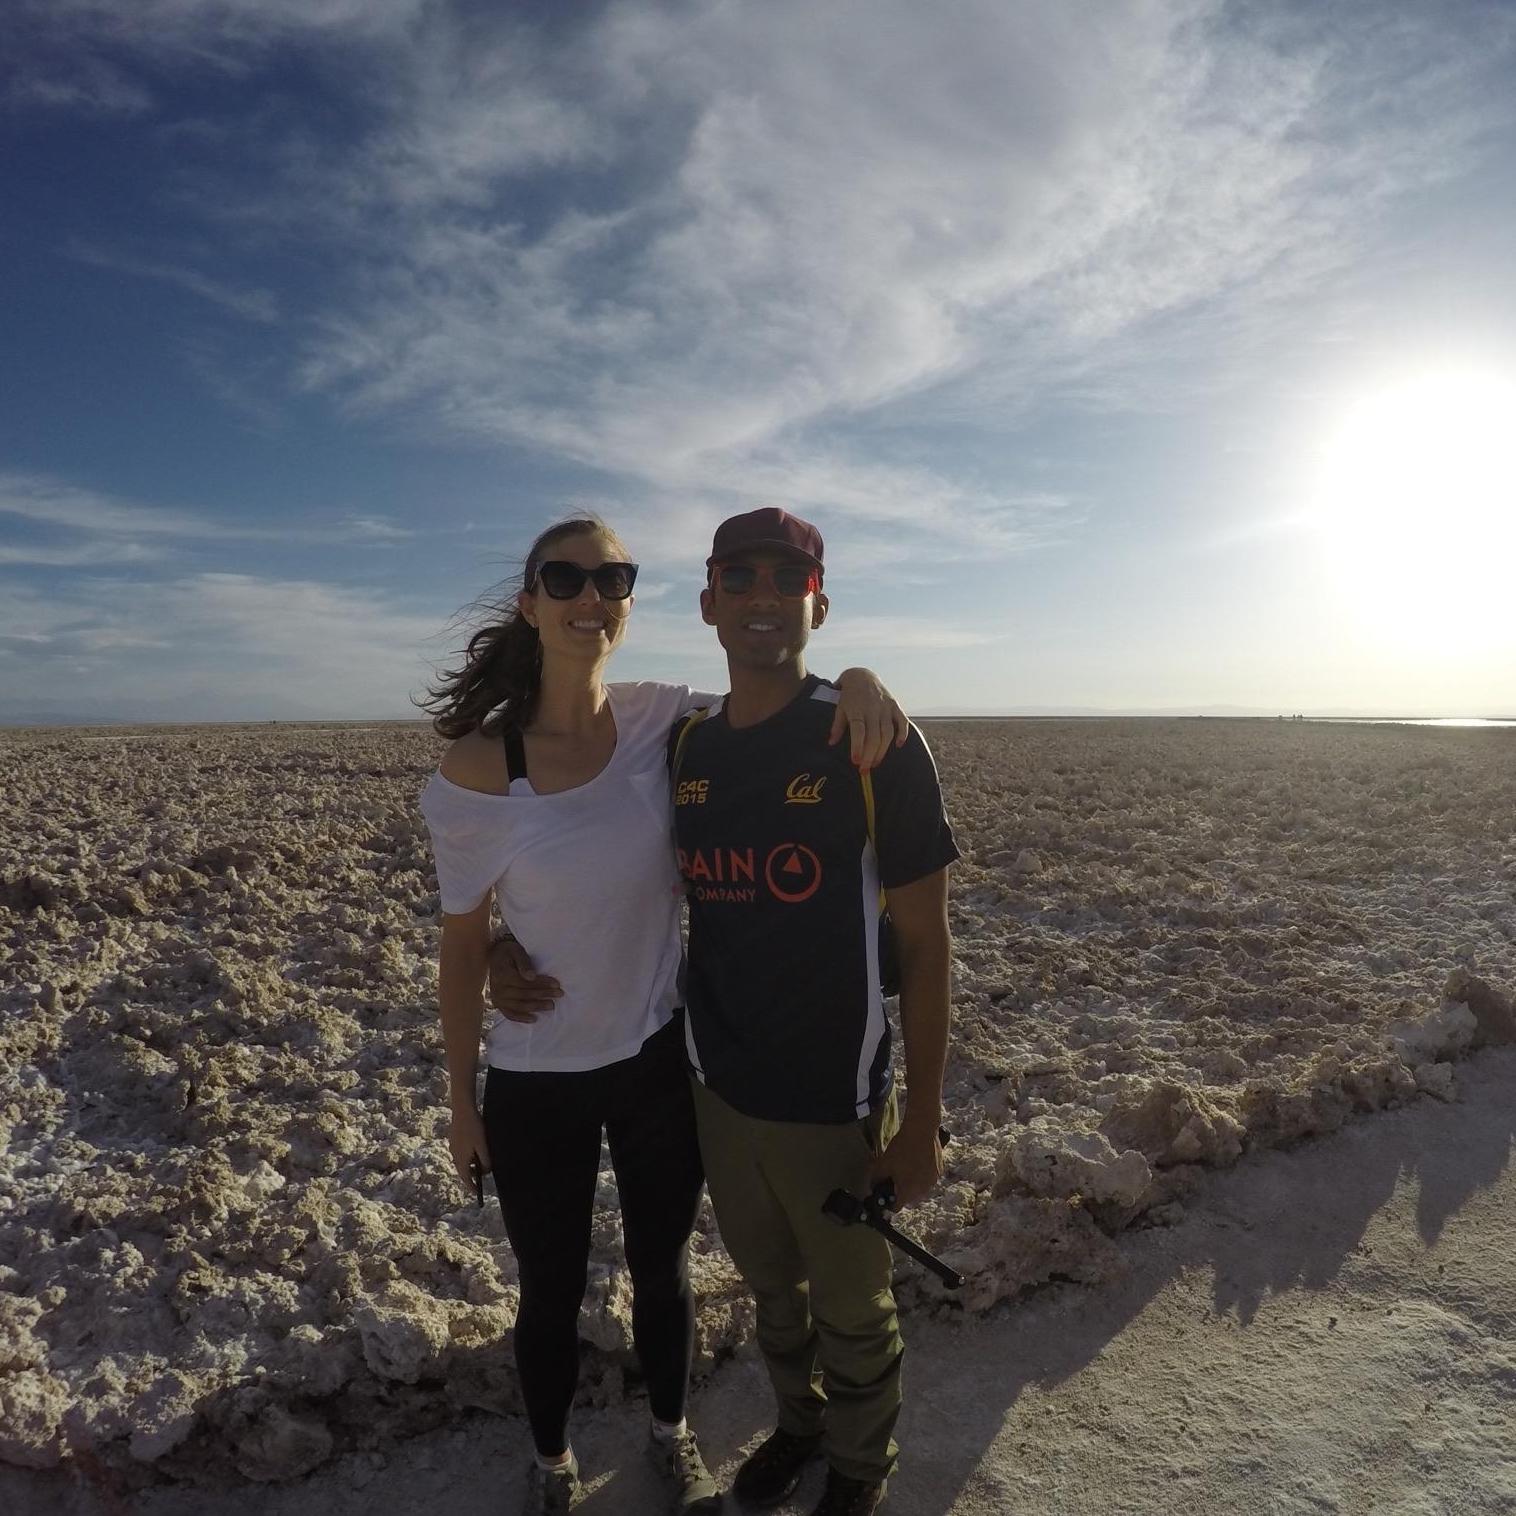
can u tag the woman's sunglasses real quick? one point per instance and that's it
(791, 581)
(564, 580)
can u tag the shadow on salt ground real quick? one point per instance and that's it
(1301, 1227)
(1304, 1220)
(1446, 1187)
(989, 1400)
(1283, 1220)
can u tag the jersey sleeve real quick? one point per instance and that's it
(912, 835)
(465, 854)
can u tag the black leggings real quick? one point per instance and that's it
(544, 1138)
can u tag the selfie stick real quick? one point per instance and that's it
(847, 1208)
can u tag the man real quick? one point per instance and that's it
(786, 1031)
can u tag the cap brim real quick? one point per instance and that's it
(766, 545)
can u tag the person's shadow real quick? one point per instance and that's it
(1280, 1221)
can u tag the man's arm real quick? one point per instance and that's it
(517, 990)
(918, 911)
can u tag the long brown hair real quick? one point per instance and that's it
(502, 663)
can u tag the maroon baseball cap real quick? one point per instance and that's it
(767, 527)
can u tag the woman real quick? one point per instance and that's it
(553, 798)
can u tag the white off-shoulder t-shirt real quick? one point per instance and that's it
(586, 880)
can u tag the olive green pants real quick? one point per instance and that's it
(826, 1316)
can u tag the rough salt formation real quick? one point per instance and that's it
(230, 1237)
(1494, 1014)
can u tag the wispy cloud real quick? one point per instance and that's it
(210, 33)
(221, 645)
(258, 305)
(81, 84)
(252, 388)
(673, 631)
(56, 503)
(108, 551)
(375, 529)
(111, 526)
(890, 634)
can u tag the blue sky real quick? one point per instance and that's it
(1057, 319)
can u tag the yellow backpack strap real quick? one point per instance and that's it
(866, 779)
(687, 726)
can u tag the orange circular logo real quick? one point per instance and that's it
(792, 872)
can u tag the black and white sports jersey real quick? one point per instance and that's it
(785, 1017)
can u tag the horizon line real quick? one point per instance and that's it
(932, 713)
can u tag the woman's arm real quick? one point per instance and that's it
(867, 711)
(463, 962)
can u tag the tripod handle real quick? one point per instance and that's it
(847, 1208)
(913, 1249)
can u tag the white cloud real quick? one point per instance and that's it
(773, 235)
(843, 208)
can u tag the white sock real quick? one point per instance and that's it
(667, 1431)
(556, 1463)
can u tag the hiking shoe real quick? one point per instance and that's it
(848, 1497)
(772, 1470)
(550, 1491)
(678, 1459)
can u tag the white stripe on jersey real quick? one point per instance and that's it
(874, 1024)
(826, 693)
(689, 1045)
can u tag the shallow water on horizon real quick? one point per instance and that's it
(1419, 720)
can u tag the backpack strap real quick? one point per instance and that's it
(515, 755)
(681, 740)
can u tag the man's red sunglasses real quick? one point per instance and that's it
(790, 581)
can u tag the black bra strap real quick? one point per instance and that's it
(515, 755)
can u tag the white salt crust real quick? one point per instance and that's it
(231, 1241)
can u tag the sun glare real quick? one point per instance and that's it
(1417, 503)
